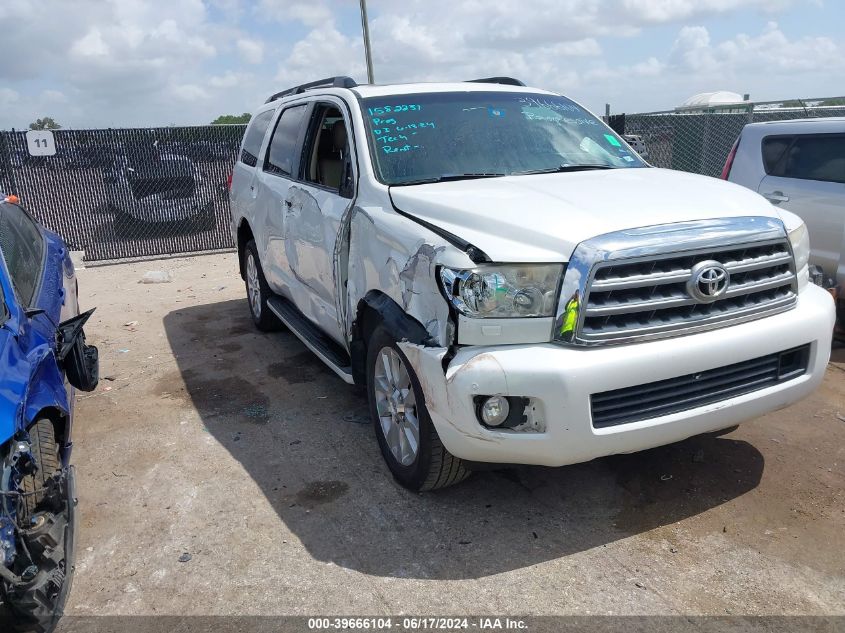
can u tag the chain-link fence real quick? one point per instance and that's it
(129, 192)
(144, 192)
(700, 142)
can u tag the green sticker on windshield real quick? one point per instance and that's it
(612, 140)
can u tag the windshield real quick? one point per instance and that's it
(439, 136)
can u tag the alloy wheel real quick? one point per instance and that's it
(396, 406)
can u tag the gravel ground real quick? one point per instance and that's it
(223, 471)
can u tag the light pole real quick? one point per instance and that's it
(367, 51)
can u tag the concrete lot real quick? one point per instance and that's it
(208, 438)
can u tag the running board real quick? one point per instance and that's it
(325, 348)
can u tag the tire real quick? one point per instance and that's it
(258, 292)
(430, 466)
(37, 607)
(42, 437)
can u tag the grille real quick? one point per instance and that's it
(655, 399)
(645, 298)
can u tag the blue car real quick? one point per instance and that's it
(43, 359)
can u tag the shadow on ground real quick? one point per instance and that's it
(304, 438)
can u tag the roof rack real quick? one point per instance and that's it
(507, 81)
(335, 82)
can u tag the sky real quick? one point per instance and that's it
(123, 63)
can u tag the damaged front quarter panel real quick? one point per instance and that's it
(388, 256)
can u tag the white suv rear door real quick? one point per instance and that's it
(243, 192)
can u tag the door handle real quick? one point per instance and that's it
(776, 196)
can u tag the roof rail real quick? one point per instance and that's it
(336, 82)
(507, 81)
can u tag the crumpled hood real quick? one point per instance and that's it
(542, 218)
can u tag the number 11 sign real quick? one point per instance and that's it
(40, 143)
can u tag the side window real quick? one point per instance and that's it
(810, 157)
(774, 149)
(280, 156)
(23, 250)
(327, 147)
(254, 136)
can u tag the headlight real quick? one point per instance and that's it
(503, 290)
(800, 240)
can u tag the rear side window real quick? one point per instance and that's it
(254, 136)
(23, 250)
(806, 157)
(283, 144)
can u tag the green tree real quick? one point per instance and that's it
(793, 103)
(229, 119)
(838, 101)
(47, 123)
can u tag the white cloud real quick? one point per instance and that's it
(189, 92)
(692, 49)
(8, 96)
(657, 11)
(771, 52)
(91, 45)
(324, 52)
(251, 50)
(227, 80)
(135, 62)
(313, 14)
(53, 96)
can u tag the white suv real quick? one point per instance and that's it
(510, 281)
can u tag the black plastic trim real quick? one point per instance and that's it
(505, 81)
(324, 346)
(664, 397)
(341, 81)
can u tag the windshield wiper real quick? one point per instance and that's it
(564, 168)
(450, 177)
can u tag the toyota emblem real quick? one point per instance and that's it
(709, 281)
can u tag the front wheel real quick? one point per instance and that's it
(406, 436)
(47, 520)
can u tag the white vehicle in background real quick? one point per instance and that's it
(637, 144)
(510, 282)
(799, 165)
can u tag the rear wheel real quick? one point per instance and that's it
(258, 292)
(406, 436)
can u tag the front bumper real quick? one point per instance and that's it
(560, 380)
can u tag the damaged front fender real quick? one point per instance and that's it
(388, 256)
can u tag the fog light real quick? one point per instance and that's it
(494, 410)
